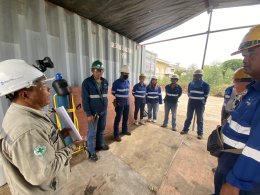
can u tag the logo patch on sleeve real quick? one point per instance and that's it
(40, 150)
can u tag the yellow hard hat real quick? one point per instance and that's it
(251, 39)
(142, 75)
(241, 76)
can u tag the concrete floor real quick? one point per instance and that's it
(153, 160)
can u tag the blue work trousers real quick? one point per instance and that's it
(139, 106)
(96, 130)
(198, 107)
(153, 110)
(167, 108)
(121, 110)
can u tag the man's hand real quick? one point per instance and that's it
(91, 119)
(228, 189)
(79, 142)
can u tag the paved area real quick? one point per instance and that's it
(153, 160)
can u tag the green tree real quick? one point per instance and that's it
(232, 65)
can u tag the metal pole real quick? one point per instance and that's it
(208, 32)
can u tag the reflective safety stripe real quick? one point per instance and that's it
(97, 96)
(238, 128)
(123, 96)
(122, 90)
(140, 91)
(169, 94)
(152, 97)
(233, 143)
(227, 96)
(141, 96)
(196, 98)
(198, 92)
(252, 153)
(156, 93)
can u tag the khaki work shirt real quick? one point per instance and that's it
(35, 159)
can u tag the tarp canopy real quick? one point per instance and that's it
(140, 20)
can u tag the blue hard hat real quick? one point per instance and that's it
(58, 76)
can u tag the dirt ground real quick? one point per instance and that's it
(151, 160)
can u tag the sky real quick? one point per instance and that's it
(189, 51)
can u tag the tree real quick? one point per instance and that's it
(232, 65)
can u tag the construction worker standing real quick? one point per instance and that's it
(34, 157)
(120, 90)
(233, 93)
(173, 92)
(153, 99)
(139, 92)
(94, 99)
(198, 91)
(240, 173)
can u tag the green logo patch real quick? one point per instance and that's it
(40, 150)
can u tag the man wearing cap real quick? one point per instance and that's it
(139, 92)
(239, 173)
(120, 89)
(94, 99)
(34, 157)
(234, 93)
(198, 91)
(173, 92)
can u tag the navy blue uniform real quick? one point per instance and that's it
(120, 90)
(173, 92)
(94, 100)
(139, 92)
(242, 131)
(198, 92)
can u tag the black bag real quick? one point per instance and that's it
(215, 144)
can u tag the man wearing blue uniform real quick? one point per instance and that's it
(94, 99)
(139, 92)
(173, 92)
(120, 90)
(198, 91)
(240, 173)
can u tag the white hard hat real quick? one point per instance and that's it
(125, 69)
(175, 76)
(17, 74)
(198, 71)
(154, 77)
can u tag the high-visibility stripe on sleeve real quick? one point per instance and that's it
(122, 90)
(198, 92)
(239, 128)
(233, 143)
(196, 98)
(252, 153)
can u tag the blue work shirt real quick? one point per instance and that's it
(172, 93)
(120, 90)
(139, 92)
(91, 100)
(153, 95)
(198, 90)
(242, 131)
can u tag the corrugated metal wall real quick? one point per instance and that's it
(31, 30)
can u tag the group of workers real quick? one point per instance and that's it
(36, 160)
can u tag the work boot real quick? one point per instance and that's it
(174, 129)
(117, 139)
(136, 123)
(154, 121)
(183, 132)
(149, 120)
(142, 122)
(93, 157)
(103, 147)
(163, 125)
(126, 133)
(199, 136)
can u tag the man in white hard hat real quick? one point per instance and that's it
(239, 173)
(35, 159)
(198, 91)
(173, 92)
(120, 89)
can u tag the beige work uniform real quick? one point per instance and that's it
(35, 159)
